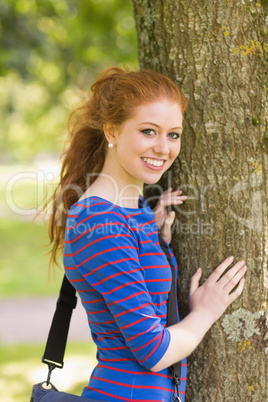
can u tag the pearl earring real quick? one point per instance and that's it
(110, 145)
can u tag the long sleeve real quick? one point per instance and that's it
(118, 267)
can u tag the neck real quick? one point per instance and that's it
(118, 189)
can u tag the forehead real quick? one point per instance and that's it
(159, 110)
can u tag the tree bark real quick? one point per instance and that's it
(216, 50)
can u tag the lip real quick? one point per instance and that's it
(152, 167)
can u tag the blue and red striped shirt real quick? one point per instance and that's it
(113, 258)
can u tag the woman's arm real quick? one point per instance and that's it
(207, 303)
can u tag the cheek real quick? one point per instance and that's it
(174, 152)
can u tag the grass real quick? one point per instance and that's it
(21, 367)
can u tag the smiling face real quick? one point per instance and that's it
(146, 144)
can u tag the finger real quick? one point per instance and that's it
(171, 193)
(170, 219)
(166, 233)
(168, 223)
(178, 197)
(177, 192)
(194, 284)
(236, 279)
(237, 292)
(174, 200)
(159, 206)
(229, 275)
(166, 228)
(216, 274)
(182, 197)
(166, 195)
(169, 190)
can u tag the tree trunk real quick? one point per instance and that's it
(216, 51)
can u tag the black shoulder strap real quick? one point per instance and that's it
(172, 315)
(58, 333)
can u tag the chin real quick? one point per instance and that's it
(152, 180)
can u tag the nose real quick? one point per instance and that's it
(161, 145)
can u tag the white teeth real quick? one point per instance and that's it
(153, 162)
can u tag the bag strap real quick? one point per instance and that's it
(58, 333)
(172, 315)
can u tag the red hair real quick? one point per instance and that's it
(115, 95)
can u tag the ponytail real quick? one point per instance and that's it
(115, 94)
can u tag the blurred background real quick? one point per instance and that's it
(50, 52)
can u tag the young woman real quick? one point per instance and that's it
(126, 134)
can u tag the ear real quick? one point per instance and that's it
(111, 132)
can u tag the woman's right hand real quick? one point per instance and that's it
(207, 303)
(216, 294)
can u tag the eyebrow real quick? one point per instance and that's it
(156, 125)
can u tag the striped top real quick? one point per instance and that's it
(113, 258)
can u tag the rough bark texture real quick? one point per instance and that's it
(216, 50)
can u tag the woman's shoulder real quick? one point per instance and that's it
(96, 217)
(95, 210)
(93, 207)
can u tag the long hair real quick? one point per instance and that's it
(114, 96)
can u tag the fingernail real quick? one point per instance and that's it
(231, 258)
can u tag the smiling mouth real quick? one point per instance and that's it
(153, 162)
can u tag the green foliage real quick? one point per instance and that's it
(24, 260)
(50, 50)
(264, 3)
